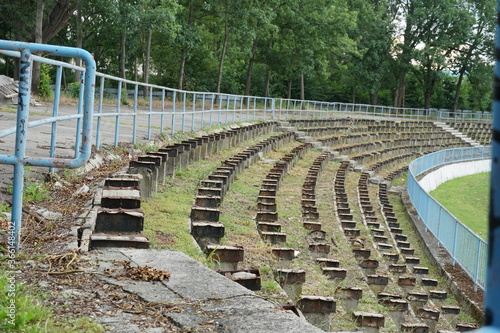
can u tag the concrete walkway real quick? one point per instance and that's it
(209, 301)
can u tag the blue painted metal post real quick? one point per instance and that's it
(55, 113)
(80, 112)
(134, 122)
(22, 122)
(174, 97)
(193, 113)
(162, 116)
(211, 111)
(273, 107)
(202, 125)
(183, 111)
(98, 126)
(492, 310)
(117, 119)
(150, 110)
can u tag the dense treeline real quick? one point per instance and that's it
(412, 53)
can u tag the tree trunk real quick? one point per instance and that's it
(302, 93)
(374, 98)
(250, 68)
(180, 83)
(123, 55)
(268, 82)
(400, 91)
(147, 62)
(457, 90)
(58, 18)
(35, 84)
(122, 66)
(222, 56)
(184, 51)
(289, 94)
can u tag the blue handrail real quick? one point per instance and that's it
(19, 159)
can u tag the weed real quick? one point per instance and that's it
(30, 314)
(147, 147)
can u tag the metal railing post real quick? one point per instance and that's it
(22, 121)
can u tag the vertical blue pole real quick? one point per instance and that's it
(98, 127)
(202, 125)
(80, 112)
(234, 110)
(194, 110)
(22, 125)
(162, 116)
(183, 111)
(117, 119)
(210, 120)
(150, 111)
(134, 123)
(241, 107)
(492, 310)
(220, 110)
(227, 110)
(174, 97)
(273, 108)
(55, 113)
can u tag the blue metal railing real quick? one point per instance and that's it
(156, 110)
(19, 159)
(464, 246)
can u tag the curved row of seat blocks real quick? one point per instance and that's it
(414, 276)
(267, 216)
(316, 308)
(120, 220)
(205, 213)
(395, 302)
(480, 132)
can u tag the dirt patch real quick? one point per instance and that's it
(465, 284)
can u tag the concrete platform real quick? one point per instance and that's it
(198, 290)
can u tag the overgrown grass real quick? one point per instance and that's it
(167, 213)
(467, 199)
(23, 309)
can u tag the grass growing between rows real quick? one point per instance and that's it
(467, 199)
(407, 226)
(167, 213)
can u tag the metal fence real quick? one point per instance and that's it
(465, 247)
(104, 118)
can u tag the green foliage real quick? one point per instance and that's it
(45, 90)
(74, 89)
(332, 50)
(33, 191)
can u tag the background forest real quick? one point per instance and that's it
(411, 53)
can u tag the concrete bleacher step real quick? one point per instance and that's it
(371, 322)
(317, 309)
(248, 278)
(225, 257)
(273, 237)
(117, 220)
(101, 240)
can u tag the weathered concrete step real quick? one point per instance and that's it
(119, 220)
(334, 272)
(248, 278)
(273, 237)
(225, 257)
(206, 232)
(100, 240)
